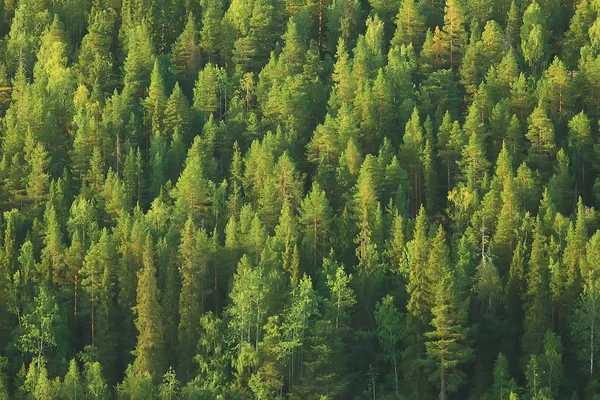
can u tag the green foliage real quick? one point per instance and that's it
(389, 323)
(149, 321)
(299, 199)
(42, 329)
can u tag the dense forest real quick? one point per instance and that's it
(300, 199)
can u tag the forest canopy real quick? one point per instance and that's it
(299, 199)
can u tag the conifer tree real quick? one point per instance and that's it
(537, 301)
(185, 52)
(95, 62)
(474, 162)
(579, 148)
(177, 116)
(38, 179)
(149, 349)
(410, 25)
(448, 343)
(286, 233)
(210, 35)
(190, 192)
(156, 102)
(315, 222)
(52, 267)
(411, 151)
(418, 279)
(541, 137)
(577, 35)
(140, 60)
(98, 280)
(194, 253)
(560, 93)
(454, 36)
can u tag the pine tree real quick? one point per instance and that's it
(574, 256)
(537, 301)
(579, 147)
(577, 35)
(210, 35)
(29, 22)
(541, 136)
(454, 36)
(288, 181)
(140, 60)
(191, 192)
(447, 344)
(194, 253)
(450, 142)
(474, 163)
(521, 100)
(185, 52)
(149, 356)
(38, 179)
(410, 25)
(560, 93)
(410, 152)
(206, 91)
(95, 62)
(315, 221)
(177, 116)
(418, 279)
(562, 184)
(156, 102)
(286, 233)
(98, 280)
(366, 203)
(396, 241)
(52, 268)
(504, 239)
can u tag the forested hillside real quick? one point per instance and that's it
(299, 199)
